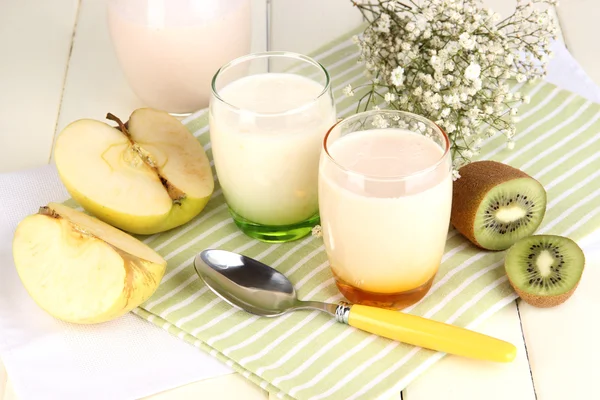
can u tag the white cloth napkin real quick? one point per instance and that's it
(126, 358)
(47, 359)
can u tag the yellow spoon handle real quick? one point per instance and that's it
(430, 334)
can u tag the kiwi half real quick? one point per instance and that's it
(494, 204)
(544, 270)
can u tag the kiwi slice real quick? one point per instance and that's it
(544, 270)
(494, 204)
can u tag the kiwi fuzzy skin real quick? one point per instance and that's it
(543, 301)
(476, 180)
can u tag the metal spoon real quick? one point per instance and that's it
(252, 286)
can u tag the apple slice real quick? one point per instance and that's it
(80, 269)
(146, 176)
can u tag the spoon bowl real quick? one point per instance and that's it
(265, 292)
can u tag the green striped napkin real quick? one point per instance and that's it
(306, 355)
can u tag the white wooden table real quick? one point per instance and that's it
(57, 65)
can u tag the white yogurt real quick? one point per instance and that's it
(267, 152)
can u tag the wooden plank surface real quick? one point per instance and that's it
(304, 26)
(35, 40)
(458, 378)
(31, 84)
(3, 381)
(94, 83)
(577, 20)
(563, 342)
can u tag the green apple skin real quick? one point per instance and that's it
(186, 210)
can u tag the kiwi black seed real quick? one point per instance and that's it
(494, 204)
(544, 270)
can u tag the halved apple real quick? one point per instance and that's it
(80, 269)
(146, 176)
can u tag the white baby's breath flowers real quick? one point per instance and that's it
(317, 231)
(348, 91)
(464, 39)
(455, 174)
(473, 71)
(397, 76)
(380, 122)
(389, 97)
(453, 62)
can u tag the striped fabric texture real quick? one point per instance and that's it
(306, 354)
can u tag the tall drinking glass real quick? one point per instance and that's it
(269, 113)
(385, 194)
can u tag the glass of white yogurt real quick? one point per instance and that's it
(385, 194)
(269, 113)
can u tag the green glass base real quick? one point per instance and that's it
(277, 233)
